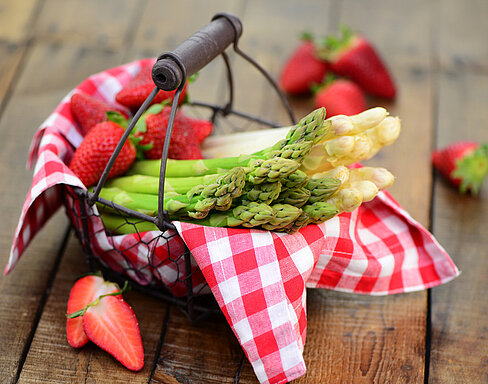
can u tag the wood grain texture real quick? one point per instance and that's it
(48, 46)
(89, 22)
(15, 19)
(206, 352)
(459, 325)
(355, 339)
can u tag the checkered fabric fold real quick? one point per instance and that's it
(258, 278)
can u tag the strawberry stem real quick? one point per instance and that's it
(81, 312)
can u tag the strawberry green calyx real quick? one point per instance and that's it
(332, 46)
(472, 170)
(306, 36)
(81, 312)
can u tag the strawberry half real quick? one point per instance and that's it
(89, 111)
(353, 56)
(93, 154)
(84, 291)
(463, 164)
(340, 97)
(138, 89)
(303, 69)
(112, 325)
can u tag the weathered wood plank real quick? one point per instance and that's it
(207, 352)
(461, 34)
(23, 290)
(32, 99)
(271, 32)
(52, 359)
(382, 339)
(374, 342)
(459, 326)
(163, 28)
(91, 22)
(15, 17)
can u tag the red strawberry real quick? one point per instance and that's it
(340, 97)
(354, 57)
(201, 128)
(463, 164)
(89, 111)
(138, 89)
(91, 157)
(302, 69)
(184, 143)
(112, 325)
(85, 290)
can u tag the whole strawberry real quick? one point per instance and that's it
(354, 57)
(303, 69)
(201, 128)
(340, 97)
(93, 154)
(89, 111)
(463, 164)
(138, 89)
(184, 143)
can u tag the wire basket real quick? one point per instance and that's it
(158, 262)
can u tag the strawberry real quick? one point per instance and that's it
(89, 111)
(201, 128)
(464, 164)
(85, 290)
(106, 320)
(340, 97)
(302, 69)
(152, 128)
(112, 325)
(91, 157)
(353, 56)
(138, 89)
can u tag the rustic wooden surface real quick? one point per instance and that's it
(437, 53)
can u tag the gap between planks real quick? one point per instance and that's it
(42, 303)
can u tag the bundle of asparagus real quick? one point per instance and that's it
(301, 179)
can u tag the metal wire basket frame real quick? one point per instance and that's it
(170, 72)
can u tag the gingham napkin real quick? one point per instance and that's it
(258, 278)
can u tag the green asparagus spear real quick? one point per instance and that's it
(295, 146)
(322, 188)
(264, 193)
(314, 213)
(285, 214)
(294, 196)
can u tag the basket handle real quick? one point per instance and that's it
(198, 50)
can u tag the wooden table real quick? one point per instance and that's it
(438, 54)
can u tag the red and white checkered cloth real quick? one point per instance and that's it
(257, 277)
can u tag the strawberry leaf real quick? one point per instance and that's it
(141, 125)
(472, 170)
(193, 78)
(117, 117)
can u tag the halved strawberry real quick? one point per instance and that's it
(464, 164)
(112, 325)
(84, 291)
